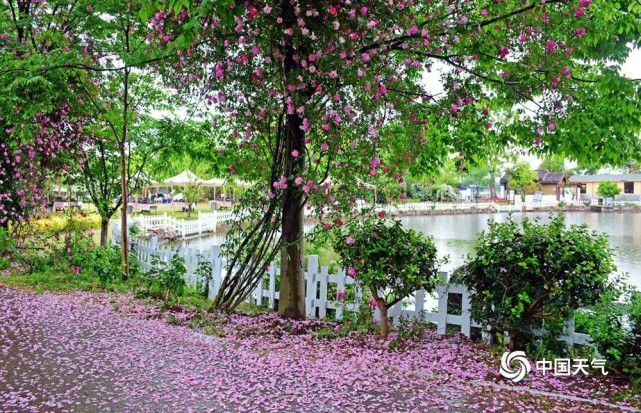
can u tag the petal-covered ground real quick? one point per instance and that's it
(73, 352)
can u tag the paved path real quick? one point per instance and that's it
(59, 356)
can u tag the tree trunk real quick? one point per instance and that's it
(291, 303)
(124, 229)
(382, 307)
(104, 232)
(123, 171)
(492, 188)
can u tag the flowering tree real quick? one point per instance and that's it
(95, 55)
(41, 130)
(308, 89)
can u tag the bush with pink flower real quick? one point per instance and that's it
(389, 261)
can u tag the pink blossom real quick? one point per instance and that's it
(295, 153)
(341, 295)
(351, 271)
(373, 303)
(327, 226)
(580, 32)
(349, 240)
(381, 214)
(579, 12)
(550, 46)
(552, 125)
(324, 147)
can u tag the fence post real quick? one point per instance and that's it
(340, 286)
(215, 219)
(419, 304)
(466, 318)
(216, 272)
(568, 332)
(310, 293)
(272, 286)
(200, 224)
(259, 291)
(442, 309)
(322, 302)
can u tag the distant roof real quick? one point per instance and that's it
(547, 177)
(601, 178)
(544, 177)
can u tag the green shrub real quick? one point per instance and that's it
(608, 189)
(614, 324)
(203, 271)
(523, 274)
(390, 261)
(7, 245)
(166, 279)
(433, 193)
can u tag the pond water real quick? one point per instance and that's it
(454, 235)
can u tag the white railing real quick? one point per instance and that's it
(204, 222)
(319, 282)
(446, 206)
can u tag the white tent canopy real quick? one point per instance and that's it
(214, 182)
(186, 177)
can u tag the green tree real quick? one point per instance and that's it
(101, 54)
(191, 195)
(554, 163)
(608, 189)
(522, 178)
(100, 176)
(393, 262)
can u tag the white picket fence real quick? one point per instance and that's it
(318, 280)
(205, 222)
